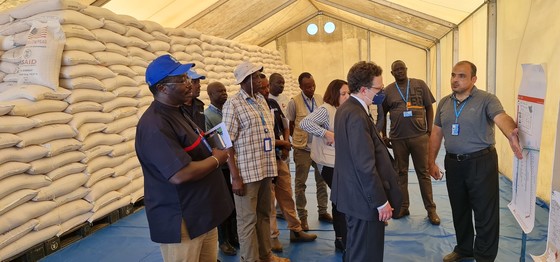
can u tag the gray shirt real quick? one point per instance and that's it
(213, 116)
(476, 124)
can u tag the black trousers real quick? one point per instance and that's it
(339, 220)
(365, 241)
(473, 187)
(227, 230)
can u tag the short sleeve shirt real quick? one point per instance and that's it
(250, 124)
(419, 96)
(476, 121)
(163, 137)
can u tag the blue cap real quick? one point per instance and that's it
(165, 66)
(193, 75)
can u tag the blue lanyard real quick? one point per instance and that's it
(258, 107)
(307, 105)
(402, 96)
(457, 114)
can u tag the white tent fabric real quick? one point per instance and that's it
(430, 35)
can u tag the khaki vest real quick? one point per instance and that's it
(299, 138)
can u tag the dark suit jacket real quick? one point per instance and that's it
(364, 177)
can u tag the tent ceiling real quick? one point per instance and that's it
(417, 22)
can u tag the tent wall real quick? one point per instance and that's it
(527, 33)
(330, 56)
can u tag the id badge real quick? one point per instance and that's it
(267, 144)
(455, 129)
(407, 113)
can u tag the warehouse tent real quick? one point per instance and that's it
(429, 35)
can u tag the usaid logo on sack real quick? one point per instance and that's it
(27, 53)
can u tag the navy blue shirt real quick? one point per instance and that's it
(163, 136)
(196, 112)
(278, 125)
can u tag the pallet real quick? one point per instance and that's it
(33, 254)
(79, 232)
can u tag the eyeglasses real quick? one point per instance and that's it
(185, 81)
(378, 87)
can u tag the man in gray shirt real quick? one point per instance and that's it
(466, 119)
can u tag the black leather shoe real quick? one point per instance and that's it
(454, 256)
(433, 217)
(402, 214)
(325, 217)
(228, 249)
(339, 245)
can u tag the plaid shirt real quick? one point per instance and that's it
(244, 117)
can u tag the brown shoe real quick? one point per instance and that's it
(325, 217)
(304, 225)
(433, 217)
(274, 258)
(228, 249)
(454, 256)
(275, 245)
(301, 236)
(402, 214)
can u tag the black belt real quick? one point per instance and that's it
(463, 157)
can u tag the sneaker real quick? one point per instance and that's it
(275, 245)
(301, 236)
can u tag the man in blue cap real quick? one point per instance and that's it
(185, 194)
(193, 105)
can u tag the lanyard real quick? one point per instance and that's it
(461, 109)
(407, 90)
(307, 105)
(258, 107)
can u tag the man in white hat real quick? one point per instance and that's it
(252, 163)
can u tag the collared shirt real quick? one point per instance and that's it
(362, 103)
(196, 113)
(316, 123)
(213, 116)
(282, 100)
(249, 123)
(476, 121)
(291, 109)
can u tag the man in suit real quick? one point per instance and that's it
(365, 184)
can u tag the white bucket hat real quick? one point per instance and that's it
(245, 69)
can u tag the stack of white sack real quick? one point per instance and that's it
(52, 181)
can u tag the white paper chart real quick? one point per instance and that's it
(530, 111)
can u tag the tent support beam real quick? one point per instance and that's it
(491, 46)
(285, 31)
(413, 12)
(378, 20)
(345, 21)
(203, 13)
(262, 18)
